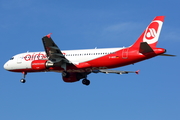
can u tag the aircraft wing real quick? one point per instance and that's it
(115, 71)
(53, 52)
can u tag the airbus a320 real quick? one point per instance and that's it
(78, 64)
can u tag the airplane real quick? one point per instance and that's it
(78, 64)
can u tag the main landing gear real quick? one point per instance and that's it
(23, 79)
(85, 81)
(77, 76)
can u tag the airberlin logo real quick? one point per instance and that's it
(31, 57)
(36, 56)
(152, 31)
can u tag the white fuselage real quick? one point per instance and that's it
(23, 60)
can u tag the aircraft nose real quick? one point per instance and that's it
(6, 66)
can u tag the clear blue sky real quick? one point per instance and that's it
(154, 94)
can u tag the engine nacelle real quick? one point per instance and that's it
(41, 64)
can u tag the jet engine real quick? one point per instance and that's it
(41, 65)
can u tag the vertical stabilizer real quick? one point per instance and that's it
(151, 34)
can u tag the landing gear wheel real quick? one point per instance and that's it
(22, 80)
(65, 74)
(85, 82)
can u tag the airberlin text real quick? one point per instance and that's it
(35, 56)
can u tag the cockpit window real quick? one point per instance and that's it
(12, 58)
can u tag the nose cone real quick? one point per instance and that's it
(6, 66)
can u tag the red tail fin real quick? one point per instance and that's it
(151, 34)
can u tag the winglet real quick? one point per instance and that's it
(137, 72)
(49, 35)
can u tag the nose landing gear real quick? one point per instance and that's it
(23, 79)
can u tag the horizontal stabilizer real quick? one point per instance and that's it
(145, 48)
(167, 55)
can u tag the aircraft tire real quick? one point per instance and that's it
(22, 80)
(85, 82)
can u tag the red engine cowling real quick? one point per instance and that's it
(72, 77)
(41, 64)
